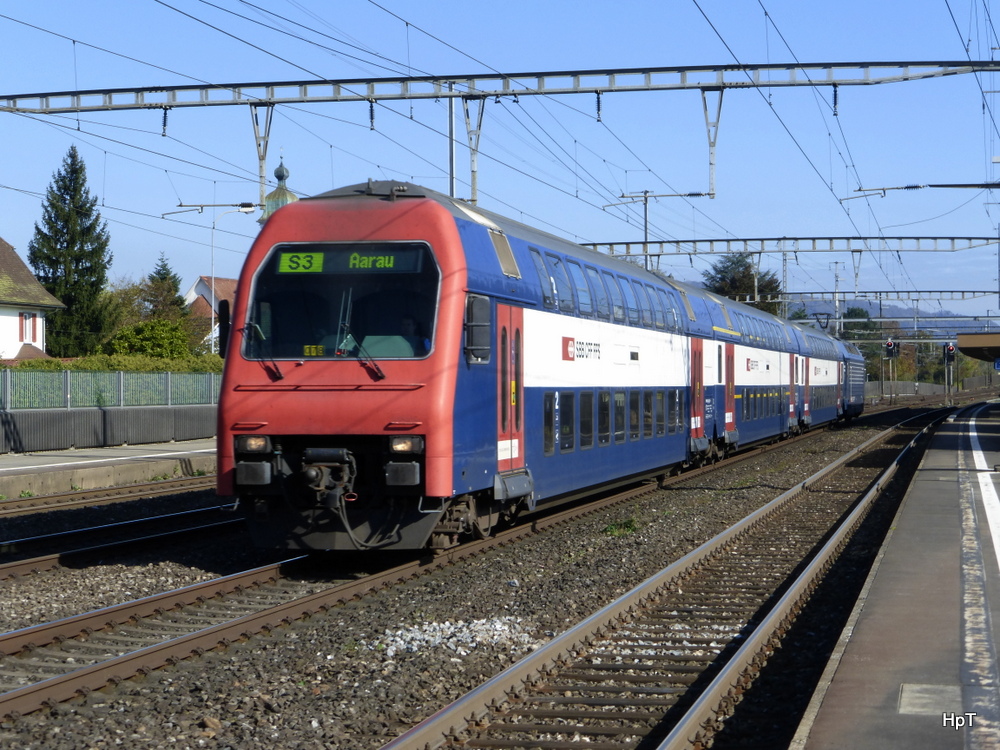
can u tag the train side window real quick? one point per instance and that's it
(631, 305)
(583, 294)
(601, 301)
(687, 305)
(644, 309)
(603, 417)
(617, 301)
(634, 414)
(586, 420)
(668, 308)
(564, 290)
(549, 423)
(548, 286)
(478, 344)
(567, 421)
(647, 414)
(661, 414)
(619, 416)
(659, 318)
(504, 254)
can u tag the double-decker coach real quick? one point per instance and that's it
(404, 370)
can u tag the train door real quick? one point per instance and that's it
(510, 372)
(806, 414)
(793, 391)
(730, 388)
(697, 389)
(840, 388)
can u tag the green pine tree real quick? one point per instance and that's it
(69, 256)
(161, 294)
(733, 276)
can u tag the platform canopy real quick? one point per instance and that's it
(984, 346)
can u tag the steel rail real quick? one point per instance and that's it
(83, 680)
(435, 731)
(704, 717)
(86, 498)
(47, 562)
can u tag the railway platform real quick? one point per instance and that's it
(50, 472)
(916, 666)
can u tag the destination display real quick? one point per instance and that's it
(353, 259)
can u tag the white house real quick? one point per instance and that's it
(204, 303)
(24, 303)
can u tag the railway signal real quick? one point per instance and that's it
(891, 350)
(949, 353)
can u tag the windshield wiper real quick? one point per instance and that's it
(362, 356)
(254, 327)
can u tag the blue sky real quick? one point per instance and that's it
(783, 160)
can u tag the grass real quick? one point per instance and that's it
(621, 528)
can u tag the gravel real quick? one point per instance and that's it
(360, 674)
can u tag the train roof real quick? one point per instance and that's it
(394, 190)
(398, 190)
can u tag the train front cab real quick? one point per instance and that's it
(335, 422)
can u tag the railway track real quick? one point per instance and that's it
(78, 545)
(664, 665)
(209, 614)
(86, 498)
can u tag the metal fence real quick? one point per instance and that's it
(75, 389)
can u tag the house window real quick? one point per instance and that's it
(29, 327)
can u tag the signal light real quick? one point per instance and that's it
(891, 350)
(949, 352)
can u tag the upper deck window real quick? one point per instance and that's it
(564, 291)
(547, 282)
(600, 293)
(327, 300)
(617, 301)
(508, 264)
(631, 305)
(582, 288)
(644, 308)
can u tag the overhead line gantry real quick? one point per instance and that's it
(473, 90)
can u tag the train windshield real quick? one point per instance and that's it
(344, 300)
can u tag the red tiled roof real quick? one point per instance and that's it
(201, 308)
(224, 289)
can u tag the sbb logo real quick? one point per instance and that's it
(568, 348)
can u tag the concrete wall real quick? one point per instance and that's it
(27, 430)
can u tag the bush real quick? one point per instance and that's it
(155, 338)
(128, 363)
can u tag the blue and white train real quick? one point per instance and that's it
(404, 370)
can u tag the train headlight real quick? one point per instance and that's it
(253, 444)
(406, 444)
